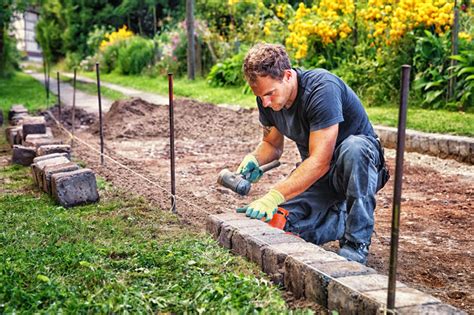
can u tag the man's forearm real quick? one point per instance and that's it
(266, 153)
(305, 175)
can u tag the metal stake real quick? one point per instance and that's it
(173, 183)
(46, 82)
(397, 191)
(101, 131)
(73, 107)
(59, 96)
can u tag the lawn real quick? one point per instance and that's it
(23, 89)
(122, 255)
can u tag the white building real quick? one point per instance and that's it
(23, 28)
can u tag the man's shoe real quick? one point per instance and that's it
(354, 251)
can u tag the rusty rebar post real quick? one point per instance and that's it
(101, 127)
(397, 191)
(73, 107)
(59, 96)
(172, 155)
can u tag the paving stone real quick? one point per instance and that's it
(48, 156)
(257, 244)
(23, 155)
(430, 309)
(424, 144)
(443, 144)
(75, 188)
(453, 145)
(49, 170)
(214, 221)
(228, 227)
(346, 294)
(38, 166)
(16, 109)
(17, 119)
(464, 151)
(273, 257)
(10, 133)
(40, 141)
(55, 148)
(239, 241)
(34, 125)
(318, 276)
(375, 301)
(433, 146)
(18, 137)
(297, 267)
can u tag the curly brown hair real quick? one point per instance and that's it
(265, 60)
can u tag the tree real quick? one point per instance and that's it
(7, 10)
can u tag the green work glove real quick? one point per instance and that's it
(264, 207)
(250, 169)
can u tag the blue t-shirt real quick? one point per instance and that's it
(323, 100)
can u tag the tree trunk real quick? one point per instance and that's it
(190, 30)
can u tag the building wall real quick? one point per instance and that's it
(24, 31)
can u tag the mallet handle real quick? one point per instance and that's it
(270, 165)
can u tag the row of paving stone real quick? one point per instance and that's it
(34, 145)
(321, 276)
(443, 146)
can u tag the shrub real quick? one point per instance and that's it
(135, 55)
(228, 72)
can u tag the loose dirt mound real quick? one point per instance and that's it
(81, 117)
(136, 118)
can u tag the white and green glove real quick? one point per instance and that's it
(250, 169)
(266, 206)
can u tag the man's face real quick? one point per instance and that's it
(273, 93)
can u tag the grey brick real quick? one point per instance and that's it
(213, 224)
(49, 170)
(16, 109)
(55, 148)
(227, 228)
(240, 244)
(273, 257)
(318, 276)
(347, 294)
(430, 309)
(34, 125)
(257, 244)
(49, 156)
(297, 267)
(37, 168)
(75, 188)
(23, 155)
(10, 133)
(38, 141)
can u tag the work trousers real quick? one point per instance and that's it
(342, 202)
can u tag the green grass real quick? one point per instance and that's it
(23, 89)
(91, 88)
(438, 121)
(121, 255)
(197, 89)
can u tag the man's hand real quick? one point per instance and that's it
(250, 169)
(264, 207)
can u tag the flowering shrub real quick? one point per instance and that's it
(325, 22)
(389, 20)
(114, 37)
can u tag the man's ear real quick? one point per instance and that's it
(288, 74)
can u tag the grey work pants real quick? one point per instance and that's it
(342, 202)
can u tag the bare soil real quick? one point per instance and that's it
(436, 247)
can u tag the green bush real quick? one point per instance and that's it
(464, 74)
(135, 55)
(228, 72)
(109, 57)
(9, 59)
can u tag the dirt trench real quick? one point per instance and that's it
(436, 247)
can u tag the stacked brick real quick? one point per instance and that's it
(53, 172)
(316, 274)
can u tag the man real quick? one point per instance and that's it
(331, 193)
